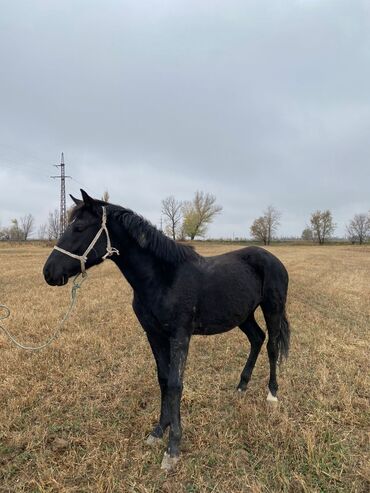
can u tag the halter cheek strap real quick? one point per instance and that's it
(83, 258)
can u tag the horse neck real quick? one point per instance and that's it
(138, 266)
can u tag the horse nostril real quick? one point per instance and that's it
(47, 274)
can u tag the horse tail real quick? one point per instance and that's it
(275, 287)
(283, 337)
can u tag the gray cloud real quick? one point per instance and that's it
(257, 102)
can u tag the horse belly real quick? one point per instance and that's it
(210, 331)
(225, 305)
(215, 317)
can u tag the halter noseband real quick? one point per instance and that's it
(83, 258)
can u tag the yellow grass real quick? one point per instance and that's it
(74, 416)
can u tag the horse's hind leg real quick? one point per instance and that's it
(256, 337)
(277, 346)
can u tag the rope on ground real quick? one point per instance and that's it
(75, 286)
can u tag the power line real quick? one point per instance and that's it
(85, 187)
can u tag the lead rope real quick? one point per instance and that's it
(76, 285)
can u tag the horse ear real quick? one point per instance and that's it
(87, 199)
(76, 201)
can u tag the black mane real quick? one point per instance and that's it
(150, 238)
(146, 235)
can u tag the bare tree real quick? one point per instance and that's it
(27, 225)
(4, 234)
(322, 225)
(259, 229)
(359, 228)
(15, 232)
(265, 227)
(172, 211)
(272, 216)
(42, 232)
(307, 234)
(199, 213)
(53, 225)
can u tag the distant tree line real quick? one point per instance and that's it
(19, 230)
(320, 230)
(22, 229)
(190, 219)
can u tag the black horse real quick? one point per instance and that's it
(178, 293)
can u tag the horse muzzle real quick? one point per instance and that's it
(54, 279)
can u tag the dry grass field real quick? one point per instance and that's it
(73, 417)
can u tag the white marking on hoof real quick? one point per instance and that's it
(152, 440)
(271, 398)
(169, 463)
(239, 389)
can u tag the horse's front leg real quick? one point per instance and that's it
(161, 350)
(160, 345)
(179, 346)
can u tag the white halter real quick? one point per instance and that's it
(83, 258)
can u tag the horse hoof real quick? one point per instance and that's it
(153, 441)
(272, 398)
(169, 463)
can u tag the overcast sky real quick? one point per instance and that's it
(257, 102)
